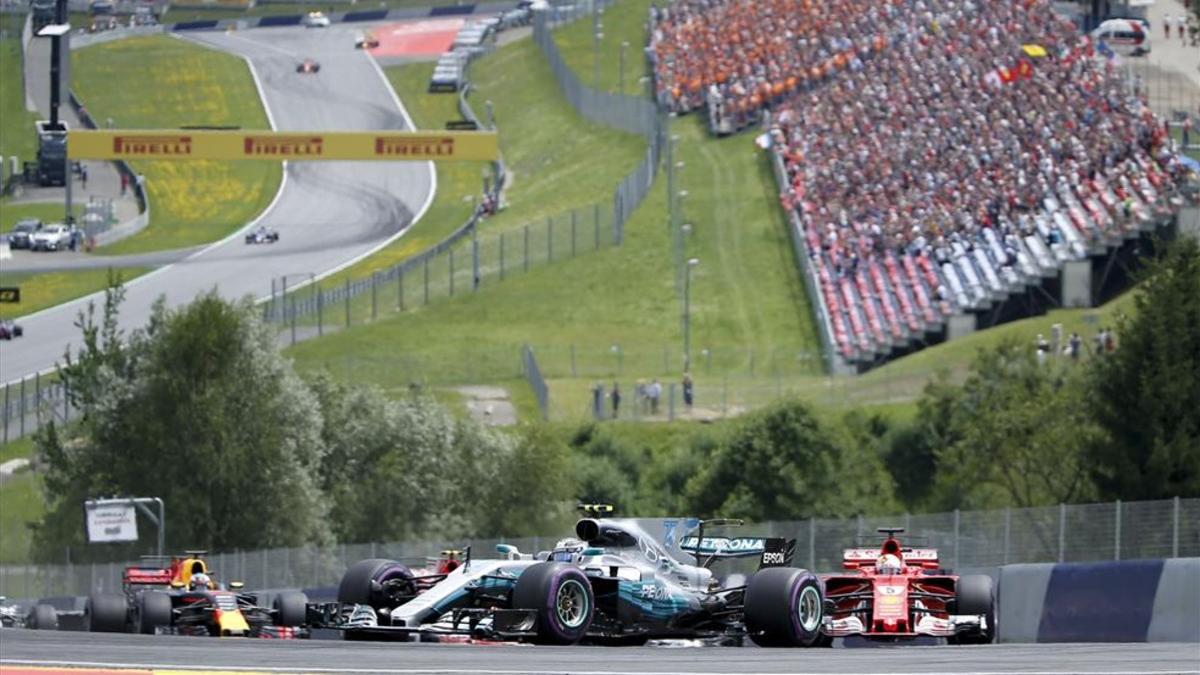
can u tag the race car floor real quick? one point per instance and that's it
(25, 649)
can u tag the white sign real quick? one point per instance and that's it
(111, 522)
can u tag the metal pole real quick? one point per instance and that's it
(1062, 532)
(1117, 537)
(1175, 530)
(1007, 532)
(526, 248)
(347, 303)
(22, 408)
(37, 398)
(956, 524)
(374, 296)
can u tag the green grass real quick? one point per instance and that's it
(20, 503)
(47, 289)
(626, 23)
(17, 135)
(191, 202)
(52, 212)
(19, 448)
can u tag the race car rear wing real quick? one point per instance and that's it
(854, 558)
(149, 576)
(771, 551)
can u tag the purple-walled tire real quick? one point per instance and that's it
(359, 583)
(563, 598)
(784, 607)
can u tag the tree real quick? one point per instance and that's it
(1146, 396)
(783, 463)
(1015, 433)
(199, 409)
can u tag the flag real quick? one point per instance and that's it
(1024, 70)
(1007, 75)
(1036, 51)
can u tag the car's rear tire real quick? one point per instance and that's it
(359, 585)
(106, 613)
(974, 596)
(44, 617)
(784, 607)
(563, 598)
(154, 611)
(291, 608)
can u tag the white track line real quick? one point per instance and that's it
(82, 302)
(558, 671)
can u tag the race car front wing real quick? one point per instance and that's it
(954, 624)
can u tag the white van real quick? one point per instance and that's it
(1127, 37)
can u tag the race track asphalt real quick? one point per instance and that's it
(327, 213)
(22, 647)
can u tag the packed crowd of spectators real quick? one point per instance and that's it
(933, 148)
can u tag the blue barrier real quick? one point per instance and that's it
(194, 25)
(373, 15)
(291, 20)
(1100, 602)
(455, 10)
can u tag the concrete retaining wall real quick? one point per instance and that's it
(1120, 601)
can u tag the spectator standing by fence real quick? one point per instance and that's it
(616, 400)
(654, 392)
(687, 391)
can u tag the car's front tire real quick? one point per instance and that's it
(563, 598)
(784, 607)
(974, 596)
(291, 608)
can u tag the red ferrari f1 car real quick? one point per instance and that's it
(898, 592)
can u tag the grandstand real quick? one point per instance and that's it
(946, 165)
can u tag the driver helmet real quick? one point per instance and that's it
(888, 563)
(200, 581)
(567, 550)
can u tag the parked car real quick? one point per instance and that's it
(51, 238)
(315, 20)
(22, 233)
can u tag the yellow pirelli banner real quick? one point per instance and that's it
(440, 146)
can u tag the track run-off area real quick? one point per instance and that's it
(26, 649)
(328, 214)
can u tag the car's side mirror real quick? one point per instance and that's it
(237, 585)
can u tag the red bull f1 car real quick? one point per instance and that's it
(616, 582)
(184, 598)
(898, 592)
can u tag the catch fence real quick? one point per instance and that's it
(966, 540)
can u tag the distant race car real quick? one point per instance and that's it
(614, 584)
(366, 40)
(10, 330)
(184, 598)
(898, 592)
(315, 20)
(308, 66)
(262, 235)
(41, 617)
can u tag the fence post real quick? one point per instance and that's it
(347, 303)
(596, 224)
(37, 398)
(501, 256)
(452, 273)
(526, 248)
(1117, 536)
(400, 288)
(7, 410)
(956, 523)
(293, 297)
(1007, 531)
(1062, 532)
(573, 214)
(374, 296)
(427, 280)
(812, 544)
(320, 310)
(1175, 530)
(549, 239)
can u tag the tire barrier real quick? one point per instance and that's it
(1121, 601)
